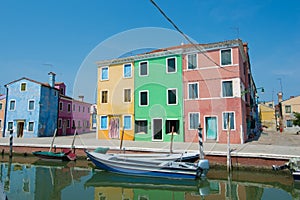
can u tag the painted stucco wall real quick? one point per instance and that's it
(81, 116)
(157, 82)
(2, 112)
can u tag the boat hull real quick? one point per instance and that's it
(61, 156)
(296, 175)
(151, 168)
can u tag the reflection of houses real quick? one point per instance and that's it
(267, 115)
(287, 108)
(2, 112)
(32, 108)
(176, 89)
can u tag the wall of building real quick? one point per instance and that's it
(2, 113)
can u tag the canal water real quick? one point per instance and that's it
(32, 179)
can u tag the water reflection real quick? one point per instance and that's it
(56, 181)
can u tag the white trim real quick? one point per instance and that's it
(189, 118)
(124, 95)
(29, 105)
(146, 67)
(204, 127)
(102, 94)
(101, 124)
(188, 91)
(101, 68)
(175, 65)
(162, 129)
(187, 61)
(130, 128)
(130, 70)
(234, 122)
(147, 98)
(21, 87)
(223, 80)
(231, 56)
(69, 104)
(168, 96)
(10, 103)
(62, 106)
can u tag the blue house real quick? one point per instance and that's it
(31, 108)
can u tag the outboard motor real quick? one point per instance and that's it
(203, 167)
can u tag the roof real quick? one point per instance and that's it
(2, 96)
(31, 80)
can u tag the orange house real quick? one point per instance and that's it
(2, 112)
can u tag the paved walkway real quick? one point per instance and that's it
(268, 145)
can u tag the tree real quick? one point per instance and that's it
(296, 121)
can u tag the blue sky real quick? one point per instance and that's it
(58, 35)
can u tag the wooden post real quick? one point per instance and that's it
(53, 140)
(10, 143)
(201, 151)
(228, 144)
(72, 146)
(122, 136)
(171, 146)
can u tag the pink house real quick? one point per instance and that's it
(218, 85)
(72, 114)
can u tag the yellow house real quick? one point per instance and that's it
(288, 107)
(267, 115)
(115, 102)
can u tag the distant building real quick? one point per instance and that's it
(93, 112)
(267, 115)
(2, 112)
(32, 108)
(288, 107)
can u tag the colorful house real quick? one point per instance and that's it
(115, 101)
(288, 107)
(158, 95)
(267, 115)
(32, 108)
(2, 112)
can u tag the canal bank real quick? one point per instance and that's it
(262, 152)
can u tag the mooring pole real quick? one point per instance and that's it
(10, 143)
(228, 144)
(201, 153)
(171, 146)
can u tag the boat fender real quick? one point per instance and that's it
(204, 164)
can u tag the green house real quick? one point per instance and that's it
(158, 97)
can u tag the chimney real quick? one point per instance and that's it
(51, 79)
(81, 98)
(279, 97)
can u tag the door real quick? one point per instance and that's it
(64, 127)
(20, 129)
(211, 128)
(157, 129)
(114, 128)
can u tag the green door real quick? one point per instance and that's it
(211, 128)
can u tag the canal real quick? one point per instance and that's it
(28, 178)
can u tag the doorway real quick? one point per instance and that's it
(157, 130)
(20, 129)
(211, 128)
(114, 128)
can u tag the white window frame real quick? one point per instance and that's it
(10, 105)
(147, 67)
(189, 117)
(107, 96)
(25, 87)
(222, 93)
(61, 106)
(101, 78)
(100, 124)
(231, 58)
(69, 106)
(187, 61)
(130, 128)
(141, 98)
(29, 126)
(31, 100)
(188, 89)
(129, 95)
(175, 94)
(124, 75)
(234, 121)
(167, 65)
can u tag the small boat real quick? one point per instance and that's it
(293, 165)
(64, 155)
(149, 167)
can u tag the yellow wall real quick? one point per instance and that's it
(267, 116)
(116, 107)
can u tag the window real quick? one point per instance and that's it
(143, 68)
(79, 125)
(0, 123)
(192, 61)
(288, 109)
(62, 91)
(69, 107)
(193, 91)
(68, 123)
(104, 73)
(73, 124)
(226, 57)
(83, 109)
(127, 95)
(225, 119)
(10, 126)
(60, 106)
(103, 122)
(172, 125)
(104, 95)
(78, 108)
(0, 106)
(59, 123)
(141, 126)
(31, 105)
(171, 65)
(30, 126)
(127, 122)
(143, 98)
(127, 71)
(227, 90)
(12, 105)
(74, 107)
(23, 86)
(194, 121)
(289, 123)
(172, 96)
